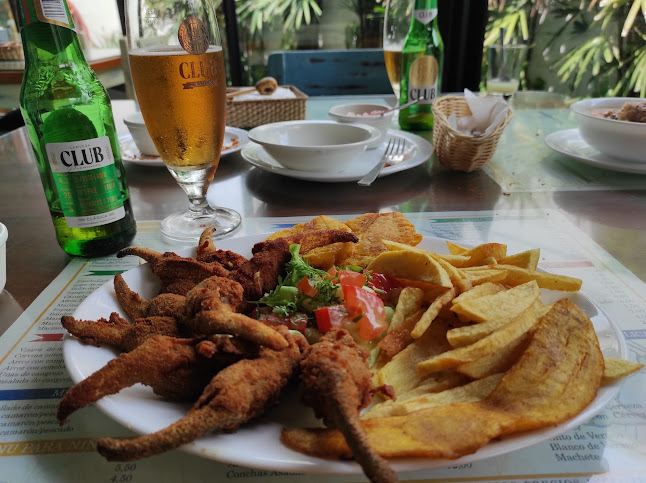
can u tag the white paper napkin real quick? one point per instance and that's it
(487, 114)
(279, 93)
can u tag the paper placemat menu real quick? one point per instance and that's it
(33, 377)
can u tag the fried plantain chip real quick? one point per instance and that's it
(373, 228)
(536, 392)
(618, 368)
(432, 312)
(461, 336)
(470, 392)
(507, 303)
(484, 347)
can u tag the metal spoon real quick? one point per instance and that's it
(397, 108)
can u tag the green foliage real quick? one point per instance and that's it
(613, 60)
(293, 13)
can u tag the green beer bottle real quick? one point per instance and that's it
(68, 116)
(422, 56)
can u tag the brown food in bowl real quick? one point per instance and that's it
(628, 112)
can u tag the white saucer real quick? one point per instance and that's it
(570, 143)
(418, 150)
(130, 153)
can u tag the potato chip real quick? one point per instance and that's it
(373, 228)
(471, 392)
(414, 265)
(618, 368)
(479, 253)
(484, 347)
(527, 259)
(552, 281)
(398, 339)
(480, 276)
(454, 248)
(431, 313)
(400, 371)
(410, 301)
(479, 291)
(499, 305)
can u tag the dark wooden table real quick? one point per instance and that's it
(613, 218)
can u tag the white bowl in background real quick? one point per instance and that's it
(316, 146)
(4, 234)
(140, 135)
(618, 139)
(364, 114)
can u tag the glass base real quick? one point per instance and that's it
(188, 225)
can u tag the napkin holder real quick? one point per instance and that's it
(251, 113)
(460, 151)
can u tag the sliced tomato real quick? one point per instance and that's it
(349, 278)
(382, 284)
(306, 287)
(296, 321)
(368, 309)
(332, 316)
(333, 272)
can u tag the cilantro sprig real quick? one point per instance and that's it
(285, 299)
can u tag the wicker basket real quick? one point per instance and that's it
(460, 151)
(252, 113)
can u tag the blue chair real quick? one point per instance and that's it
(331, 72)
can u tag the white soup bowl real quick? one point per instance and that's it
(622, 140)
(140, 135)
(316, 146)
(364, 114)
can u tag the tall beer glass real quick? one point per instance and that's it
(396, 25)
(177, 67)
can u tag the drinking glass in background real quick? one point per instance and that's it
(504, 64)
(177, 67)
(396, 25)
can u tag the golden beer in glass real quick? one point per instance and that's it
(177, 68)
(396, 24)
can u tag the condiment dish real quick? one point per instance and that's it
(624, 140)
(140, 135)
(373, 115)
(316, 146)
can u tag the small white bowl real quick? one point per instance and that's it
(361, 113)
(4, 234)
(140, 135)
(317, 146)
(618, 139)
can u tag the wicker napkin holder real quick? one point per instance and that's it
(251, 113)
(457, 150)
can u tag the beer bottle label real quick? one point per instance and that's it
(425, 15)
(54, 12)
(87, 182)
(422, 79)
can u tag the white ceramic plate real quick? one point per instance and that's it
(418, 150)
(570, 143)
(257, 444)
(131, 154)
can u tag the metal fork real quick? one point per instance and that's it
(394, 153)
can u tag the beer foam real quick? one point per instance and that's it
(168, 50)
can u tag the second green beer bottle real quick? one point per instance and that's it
(422, 57)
